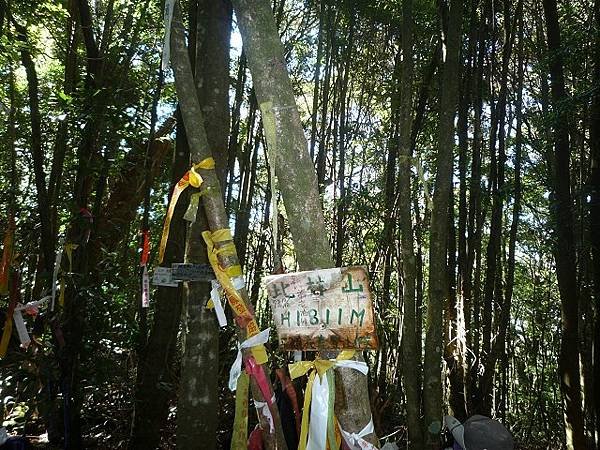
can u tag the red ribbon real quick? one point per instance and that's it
(145, 247)
(255, 370)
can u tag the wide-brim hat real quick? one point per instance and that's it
(480, 433)
(457, 430)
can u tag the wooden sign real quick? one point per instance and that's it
(323, 309)
(163, 276)
(192, 272)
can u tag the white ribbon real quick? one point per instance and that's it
(216, 299)
(35, 304)
(319, 406)
(20, 322)
(266, 411)
(236, 368)
(21, 328)
(145, 288)
(56, 269)
(238, 283)
(361, 366)
(166, 53)
(319, 412)
(355, 440)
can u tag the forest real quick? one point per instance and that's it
(300, 224)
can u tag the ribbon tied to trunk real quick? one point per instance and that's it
(236, 369)
(228, 279)
(355, 441)
(190, 178)
(319, 399)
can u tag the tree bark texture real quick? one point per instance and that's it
(564, 245)
(411, 356)
(437, 289)
(197, 406)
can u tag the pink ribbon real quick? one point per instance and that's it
(255, 370)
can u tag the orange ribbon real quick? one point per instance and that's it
(145, 248)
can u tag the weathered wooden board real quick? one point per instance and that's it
(323, 309)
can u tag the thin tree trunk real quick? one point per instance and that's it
(388, 244)
(37, 151)
(411, 354)
(432, 386)
(343, 131)
(499, 349)
(315, 105)
(236, 119)
(493, 278)
(322, 153)
(60, 143)
(595, 212)
(197, 420)
(155, 383)
(564, 246)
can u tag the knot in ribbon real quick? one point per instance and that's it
(252, 342)
(191, 177)
(264, 409)
(319, 398)
(321, 366)
(356, 441)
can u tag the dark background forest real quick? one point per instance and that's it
(456, 149)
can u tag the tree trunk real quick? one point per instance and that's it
(155, 383)
(37, 151)
(197, 406)
(342, 144)
(564, 245)
(293, 164)
(411, 354)
(595, 212)
(321, 162)
(315, 104)
(493, 278)
(212, 200)
(503, 334)
(432, 388)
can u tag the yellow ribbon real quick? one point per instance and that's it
(69, 247)
(320, 367)
(193, 178)
(240, 423)
(224, 276)
(8, 326)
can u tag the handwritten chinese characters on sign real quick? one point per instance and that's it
(323, 309)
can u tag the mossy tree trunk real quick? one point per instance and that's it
(410, 350)
(291, 158)
(212, 200)
(197, 407)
